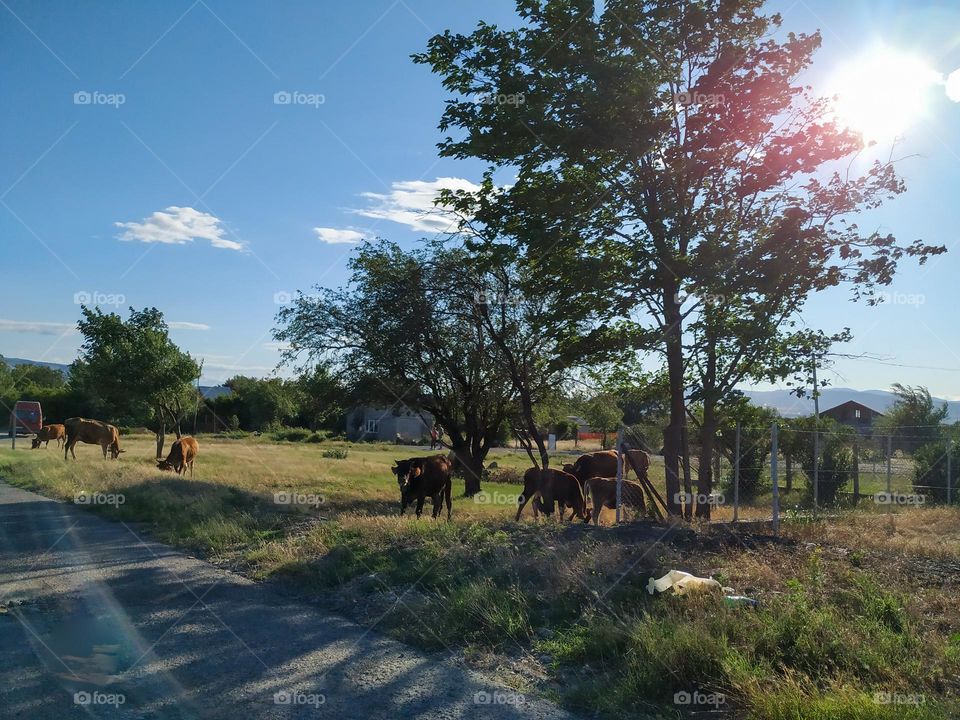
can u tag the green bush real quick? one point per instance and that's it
(291, 434)
(930, 470)
(315, 437)
(336, 453)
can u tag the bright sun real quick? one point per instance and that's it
(882, 93)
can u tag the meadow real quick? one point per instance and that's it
(856, 619)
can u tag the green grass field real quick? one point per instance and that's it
(851, 605)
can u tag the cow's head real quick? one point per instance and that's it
(115, 450)
(35, 443)
(164, 465)
(406, 470)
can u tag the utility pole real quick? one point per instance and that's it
(816, 436)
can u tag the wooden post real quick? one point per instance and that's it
(774, 479)
(949, 469)
(856, 473)
(889, 456)
(619, 470)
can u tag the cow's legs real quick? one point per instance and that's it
(68, 447)
(446, 492)
(437, 504)
(420, 500)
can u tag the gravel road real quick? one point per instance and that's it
(97, 622)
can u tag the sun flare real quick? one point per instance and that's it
(883, 92)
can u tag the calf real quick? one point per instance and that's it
(182, 453)
(92, 432)
(546, 487)
(48, 433)
(603, 491)
(421, 477)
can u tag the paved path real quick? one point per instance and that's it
(88, 607)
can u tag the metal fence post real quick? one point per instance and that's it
(816, 463)
(619, 469)
(736, 475)
(949, 468)
(889, 456)
(773, 478)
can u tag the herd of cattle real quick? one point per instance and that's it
(95, 432)
(591, 478)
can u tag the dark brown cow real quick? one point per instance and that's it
(546, 487)
(604, 464)
(182, 453)
(48, 433)
(424, 477)
(603, 492)
(92, 432)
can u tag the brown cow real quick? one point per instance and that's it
(92, 432)
(421, 477)
(182, 453)
(48, 433)
(604, 464)
(546, 487)
(603, 492)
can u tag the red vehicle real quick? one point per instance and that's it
(26, 418)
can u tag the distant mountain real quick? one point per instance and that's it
(212, 392)
(791, 406)
(13, 362)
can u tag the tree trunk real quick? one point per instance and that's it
(687, 483)
(673, 433)
(708, 436)
(161, 432)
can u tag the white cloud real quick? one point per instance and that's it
(176, 226)
(333, 236)
(952, 84)
(411, 203)
(181, 325)
(39, 328)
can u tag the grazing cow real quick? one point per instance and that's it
(597, 464)
(48, 433)
(424, 477)
(603, 492)
(92, 432)
(182, 453)
(546, 487)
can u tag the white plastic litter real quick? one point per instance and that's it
(683, 582)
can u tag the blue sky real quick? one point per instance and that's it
(146, 160)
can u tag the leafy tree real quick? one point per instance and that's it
(930, 470)
(603, 414)
(260, 403)
(663, 147)
(409, 330)
(914, 420)
(321, 398)
(755, 445)
(837, 464)
(134, 368)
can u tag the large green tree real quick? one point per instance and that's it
(133, 368)
(409, 329)
(659, 142)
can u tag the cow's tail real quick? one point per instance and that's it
(447, 490)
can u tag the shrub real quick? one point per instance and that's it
(315, 437)
(503, 475)
(291, 434)
(336, 453)
(930, 471)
